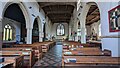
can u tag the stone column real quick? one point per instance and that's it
(83, 32)
(1, 36)
(83, 36)
(40, 36)
(29, 36)
(70, 37)
(75, 29)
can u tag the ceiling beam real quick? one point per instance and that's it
(58, 12)
(92, 11)
(60, 18)
(59, 15)
(93, 20)
(60, 21)
(44, 4)
(96, 9)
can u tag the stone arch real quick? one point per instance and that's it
(40, 27)
(89, 4)
(24, 10)
(82, 17)
(39, 24)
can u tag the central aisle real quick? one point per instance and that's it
(52, 59)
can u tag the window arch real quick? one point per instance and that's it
(60, 30)
(7, 35)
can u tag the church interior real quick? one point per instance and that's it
(59, 34)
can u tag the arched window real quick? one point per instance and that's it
(7, 35)
(60, 30)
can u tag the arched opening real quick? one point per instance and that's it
(35, 31)
(93, 22)
(13, 15)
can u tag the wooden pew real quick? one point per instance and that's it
(107, 52)
(83, 52)
(37, 49)
(14, 57)
(8, 44)
(90, 61)
(46, 46)
(29, 57)
(78, 44)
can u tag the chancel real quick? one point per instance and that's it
(59, 34)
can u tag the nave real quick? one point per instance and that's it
(59, 33)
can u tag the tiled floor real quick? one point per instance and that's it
(52, 59)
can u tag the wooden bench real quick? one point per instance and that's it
(90, 61)
(46, 46)
(78, 44)
(83, 52)
(107, 52)
(37, 49)
(12, 57)
(29, 57)
(8, 44)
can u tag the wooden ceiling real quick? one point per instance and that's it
(58, 11)
(93, 15)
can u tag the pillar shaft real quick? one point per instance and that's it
(1, 36)
(29, 35)
(83, 36)
(70, 37)
(40, 36)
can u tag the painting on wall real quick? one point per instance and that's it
(114, 19)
